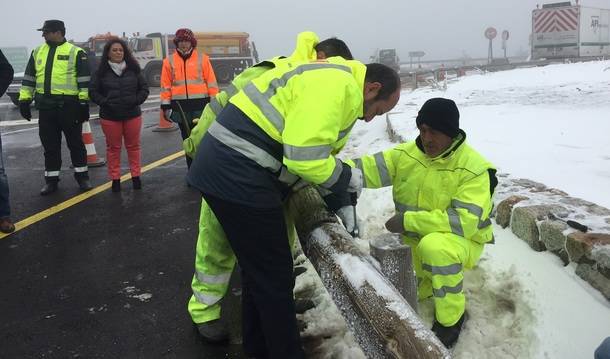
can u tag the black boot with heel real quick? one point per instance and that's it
(116, 185)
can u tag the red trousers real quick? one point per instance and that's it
(115, 131)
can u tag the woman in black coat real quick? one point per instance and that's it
(119, 88)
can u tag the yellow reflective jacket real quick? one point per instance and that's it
(450, 193)
(309, 108)
(69, 75)
(304, 50)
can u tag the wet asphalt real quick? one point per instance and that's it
(108, 277)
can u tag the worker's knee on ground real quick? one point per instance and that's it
(441, 248)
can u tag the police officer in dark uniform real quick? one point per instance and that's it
(57, 79)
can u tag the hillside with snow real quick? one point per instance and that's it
(548, 124)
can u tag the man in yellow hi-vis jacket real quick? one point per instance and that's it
(214, 260)
(284, 125)
(57, 79)
(442, 190)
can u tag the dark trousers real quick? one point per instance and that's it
(51, 124)
(258, 237)
(186, 125)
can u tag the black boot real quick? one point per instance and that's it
(116, 185)
(137, 183)
(48, 188)
(213, 331)
(84, 184)
(448, 335)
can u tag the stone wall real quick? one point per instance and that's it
(545, 219)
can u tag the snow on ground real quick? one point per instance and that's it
(548, 124)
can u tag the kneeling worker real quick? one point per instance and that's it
(442, 191)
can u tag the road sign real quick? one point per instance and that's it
(505, 35)
(491, 33)
(417, 54)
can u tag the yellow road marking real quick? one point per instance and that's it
(83, 196)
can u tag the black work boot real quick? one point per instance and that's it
(213, 331)
(48, 188)
(448, 335)
(84, 184)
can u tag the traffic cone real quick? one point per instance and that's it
(92, 159)
(164, 125)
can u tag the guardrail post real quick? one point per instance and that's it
(395, 260)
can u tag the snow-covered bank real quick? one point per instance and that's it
(547, 124)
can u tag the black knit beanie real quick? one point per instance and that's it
(441, 114)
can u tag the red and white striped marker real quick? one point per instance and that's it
(92, 159)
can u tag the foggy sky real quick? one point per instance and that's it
(443, 29)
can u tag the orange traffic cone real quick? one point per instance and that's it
(92, 159)
(164, 125)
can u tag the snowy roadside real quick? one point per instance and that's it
(546, 124)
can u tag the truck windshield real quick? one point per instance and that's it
(144, 45)
(387, 53)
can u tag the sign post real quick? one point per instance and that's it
(418, 54)
(504, 39)
(490, 34)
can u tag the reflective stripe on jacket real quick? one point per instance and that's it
(451, 193)
(304, 50)
(309, 108)
(69, 72)
(192, 78)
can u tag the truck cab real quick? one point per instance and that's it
(387, 57)
(18, 58)
(149, 51)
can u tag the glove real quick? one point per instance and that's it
(355, 182)
(347, 214)
(24, 109)
(168, 115)
(396, 223)
(83, 112)
(334, 201)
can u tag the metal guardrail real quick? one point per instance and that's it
(434, 77)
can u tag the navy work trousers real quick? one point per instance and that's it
(259, 239)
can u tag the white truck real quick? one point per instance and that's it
(564, 30)
(229, 52)
(18, 58)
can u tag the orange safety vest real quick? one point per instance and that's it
(190, 79)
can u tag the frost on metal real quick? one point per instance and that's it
(352, 279)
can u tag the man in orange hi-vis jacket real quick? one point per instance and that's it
(187, 83)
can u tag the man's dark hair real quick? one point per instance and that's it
(334, 47)
(130, 61)
(386, 76)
